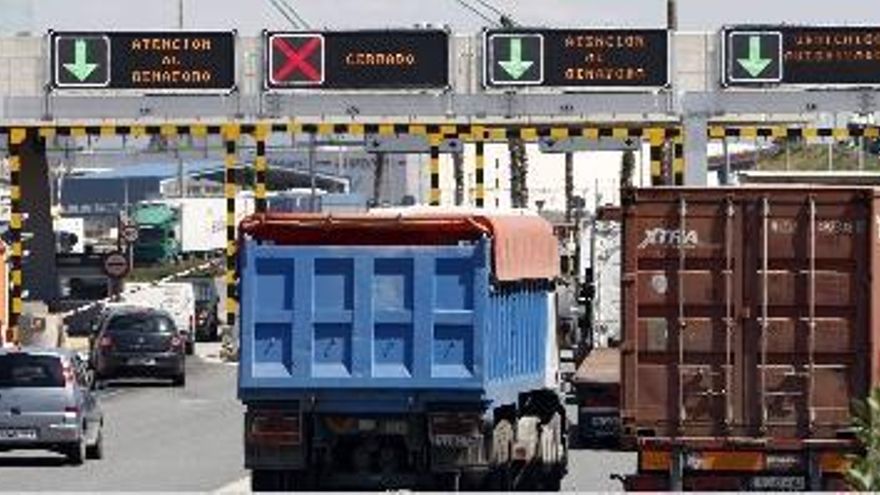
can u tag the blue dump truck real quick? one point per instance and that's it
(407, 350)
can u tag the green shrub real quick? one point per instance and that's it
(864, 475)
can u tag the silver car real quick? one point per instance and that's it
(46, 403)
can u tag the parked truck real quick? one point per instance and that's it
(400, 350)
(750, 323)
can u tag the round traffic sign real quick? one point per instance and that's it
(130, 233)
(116, 265)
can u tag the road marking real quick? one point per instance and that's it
(241, 486)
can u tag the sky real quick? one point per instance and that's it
(249, 17)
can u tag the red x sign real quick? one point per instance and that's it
(295, 60)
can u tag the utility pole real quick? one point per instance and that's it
(458, 174)
(313, 207)
(378, 177)
(569, 187)
(180, 14)
(519, 167)
(671, 15)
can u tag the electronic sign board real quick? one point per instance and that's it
(357, 60)
(806, 56)
(166, 61)
(577, 58)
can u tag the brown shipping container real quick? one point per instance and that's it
(749, 312)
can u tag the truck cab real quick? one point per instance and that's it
(157, 233)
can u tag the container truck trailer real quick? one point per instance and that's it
(751, 320)
(400, 350)
(169, 229)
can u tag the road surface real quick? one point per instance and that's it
(160, 438)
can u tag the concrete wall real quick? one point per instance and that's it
(22, 66)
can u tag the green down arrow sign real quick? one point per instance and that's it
(515, 66)
(81, 68)
(755, 64)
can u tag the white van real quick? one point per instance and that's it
(177, 298)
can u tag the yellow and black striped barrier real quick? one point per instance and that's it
(261, 169)
(17, 137)
(479, 134)
(743, 132)
(480, 172)
(230, 140)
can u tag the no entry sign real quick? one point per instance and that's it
(116, 265)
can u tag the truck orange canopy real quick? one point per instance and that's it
(523, 247)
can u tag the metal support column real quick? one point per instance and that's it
(16, 138)
(695, 151)
(656, 139)
(678, 171)
(378, 176)
(260, 169)
(725, 171)
(569, 186)
(480, 171)
(313, 149)
(230, 139)
(458, 176)
(434, 140)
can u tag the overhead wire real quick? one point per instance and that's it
(293, 17)
(295, 13)
(284, 13)
(491, 7)
(477, 12)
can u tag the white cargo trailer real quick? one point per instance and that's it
(201, 224)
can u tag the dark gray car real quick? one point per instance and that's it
(138, 342)
(46, 403)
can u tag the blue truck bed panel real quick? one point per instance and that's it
(338, 321)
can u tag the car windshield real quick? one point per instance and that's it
(143, 323)
(25, 370)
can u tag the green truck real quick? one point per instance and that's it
(170, 229)
(158, 233)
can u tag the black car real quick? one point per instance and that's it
(138, 342)
(207, 300)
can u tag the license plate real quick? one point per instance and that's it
(779, 483)
(141, 361)
(457, 441)
(18, 434)
(604, 421)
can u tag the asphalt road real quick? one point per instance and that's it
(156, 438)
(159, 438)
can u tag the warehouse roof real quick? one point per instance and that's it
(281, 177)
(157, 170)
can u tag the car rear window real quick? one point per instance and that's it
(143, 323)
(25, 370)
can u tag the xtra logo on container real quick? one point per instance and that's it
(670, 238)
